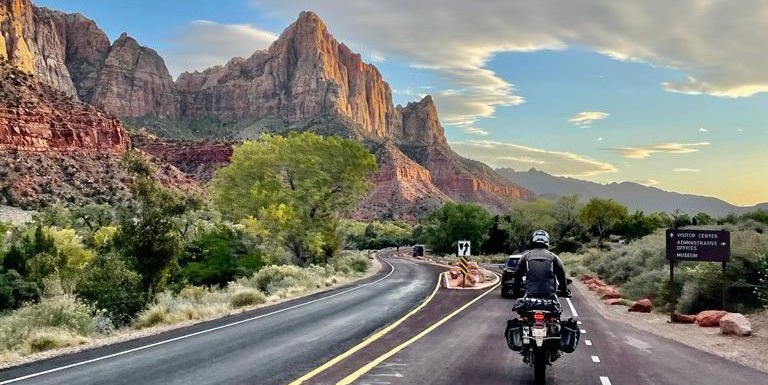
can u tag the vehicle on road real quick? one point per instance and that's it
(508, 275)
(540, 335)
(418, 251)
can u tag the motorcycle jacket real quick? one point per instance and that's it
(544, 274)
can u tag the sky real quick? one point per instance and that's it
(667, 94)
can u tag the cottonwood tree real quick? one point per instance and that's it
(296, 188)
(602, 215)
(444, 227)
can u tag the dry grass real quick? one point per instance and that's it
(53, 323)
(270, 284)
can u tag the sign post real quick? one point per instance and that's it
(697, 246)
(465, 251)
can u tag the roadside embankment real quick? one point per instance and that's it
(27, 335)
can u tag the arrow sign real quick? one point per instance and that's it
(698, 245)
(465, 249)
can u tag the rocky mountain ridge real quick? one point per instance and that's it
(55, 149)
(306, 80)
(633, 195)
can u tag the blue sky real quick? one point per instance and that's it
(683, 110)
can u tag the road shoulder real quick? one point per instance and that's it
(130, 338)
(747, 351)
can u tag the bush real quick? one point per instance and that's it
(192, 303)
(640, 270)
(216, 257)
(351, 262)
(15, 291)
(272, 278)
(244, 298)
(107, 283)
(54, 322)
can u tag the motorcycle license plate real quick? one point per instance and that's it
(539, 332)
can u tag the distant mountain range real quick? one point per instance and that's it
(633, 195)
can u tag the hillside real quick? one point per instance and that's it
(56, 149)
(305, 81)
(633, 195)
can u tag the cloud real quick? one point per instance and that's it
(499, 154)
(647, 182)
(711, 42)
(585, 119)
(377, 57)
(702, 129)
(474, 131)
(665, 148)
(686, 170)
(202, 44)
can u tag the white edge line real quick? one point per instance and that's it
(33, 375)
(573, 309)
(605, 380)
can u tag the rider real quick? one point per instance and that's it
(544, 272)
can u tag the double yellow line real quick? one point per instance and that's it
(372, 364)
(368, 340)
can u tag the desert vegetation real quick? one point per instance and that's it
(601, 237)
(274, 229)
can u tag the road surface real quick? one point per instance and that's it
(286, 341)
(456, 336)
(470, 349)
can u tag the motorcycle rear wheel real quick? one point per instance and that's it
(540, 367)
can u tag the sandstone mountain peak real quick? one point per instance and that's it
(306, 80)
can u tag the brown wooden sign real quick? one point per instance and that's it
(698, 245)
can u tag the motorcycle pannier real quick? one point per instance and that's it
(514, 335)
(569, 335)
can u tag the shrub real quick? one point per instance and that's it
(216, 257)
(351, 262)
(190, 304)
(54, 322)
(250, 297)
(15, 291)
(107, 283)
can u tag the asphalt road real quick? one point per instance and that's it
(269, 346)
(470, 349)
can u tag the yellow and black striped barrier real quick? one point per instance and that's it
(464, 265)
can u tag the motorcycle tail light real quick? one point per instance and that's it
(538, 316)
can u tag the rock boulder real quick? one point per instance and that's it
(642, 306)
(735, 324)
(683, 318)
(710, 318)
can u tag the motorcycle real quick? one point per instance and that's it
(539, 334)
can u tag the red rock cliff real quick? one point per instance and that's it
(305, 73)
(34, 117)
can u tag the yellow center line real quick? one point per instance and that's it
(367, 367)
(368, 340)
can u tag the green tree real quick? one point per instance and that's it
(297, 187)
(758, 215)
(680, 219)
(497, 241)
(602, 215)
(147, 236)
(15, 290)
(109, 284)
(637, 225)
(444, 227)
(218, 256)
(703, 219)
(523, 219)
